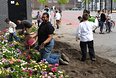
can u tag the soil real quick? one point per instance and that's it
(101, 68)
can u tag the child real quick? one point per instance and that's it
(11, 30)
(29, 39)
(85, 35)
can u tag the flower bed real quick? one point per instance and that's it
(17, 62)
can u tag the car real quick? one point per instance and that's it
(75, 9)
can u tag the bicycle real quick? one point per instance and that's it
(109, 25)
(112, 24)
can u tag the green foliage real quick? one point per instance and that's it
(114, 0)
(42, 1)
(18, 62)
(63, 1)
(87, 1)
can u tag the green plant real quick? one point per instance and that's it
(18, 62)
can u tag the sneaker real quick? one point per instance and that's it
(93, 59)
(83, 60)
(62, 62)
(93, 31)
(64, 57)
(101, 33)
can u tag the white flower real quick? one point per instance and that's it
(50, 73)
(1, 63)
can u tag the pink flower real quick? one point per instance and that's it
(50, 65)
(4, 60)
(18, 60)
(28, 57)
(24, 70)
(11, 62)
(30, 72)
(56, 65)
(54, 69)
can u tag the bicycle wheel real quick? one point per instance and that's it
(112, 23)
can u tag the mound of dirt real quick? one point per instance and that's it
(101, 68)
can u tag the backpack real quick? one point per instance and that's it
(91, 19)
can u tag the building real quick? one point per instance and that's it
(14, 9)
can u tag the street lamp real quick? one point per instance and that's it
(111, 6)
(105, 5)
(85, 4)
(100, 4)
(92, 5)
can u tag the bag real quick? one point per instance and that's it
(91, 19)
(96, 22)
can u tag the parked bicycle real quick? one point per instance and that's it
(109, 25)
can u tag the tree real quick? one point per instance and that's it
(87, 1)
(42, 1)
(63, 1)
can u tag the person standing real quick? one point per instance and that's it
(108, 21)
(12, 30)
(47, 10)
(38, 18)
(58, 19)
(60, 11)
(85, 34)
(98, 18)
(102, 20)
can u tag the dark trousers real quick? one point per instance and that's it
(13, 35)
(38, 21)
(90, 46)
(101, 26)
(108, 26)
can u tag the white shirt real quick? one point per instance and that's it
(12, 27)
(58, 16)
(109, 16)
(85, 32)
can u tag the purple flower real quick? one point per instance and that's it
(11, 45)
(19, 51)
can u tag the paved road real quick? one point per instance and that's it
(105, 45)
